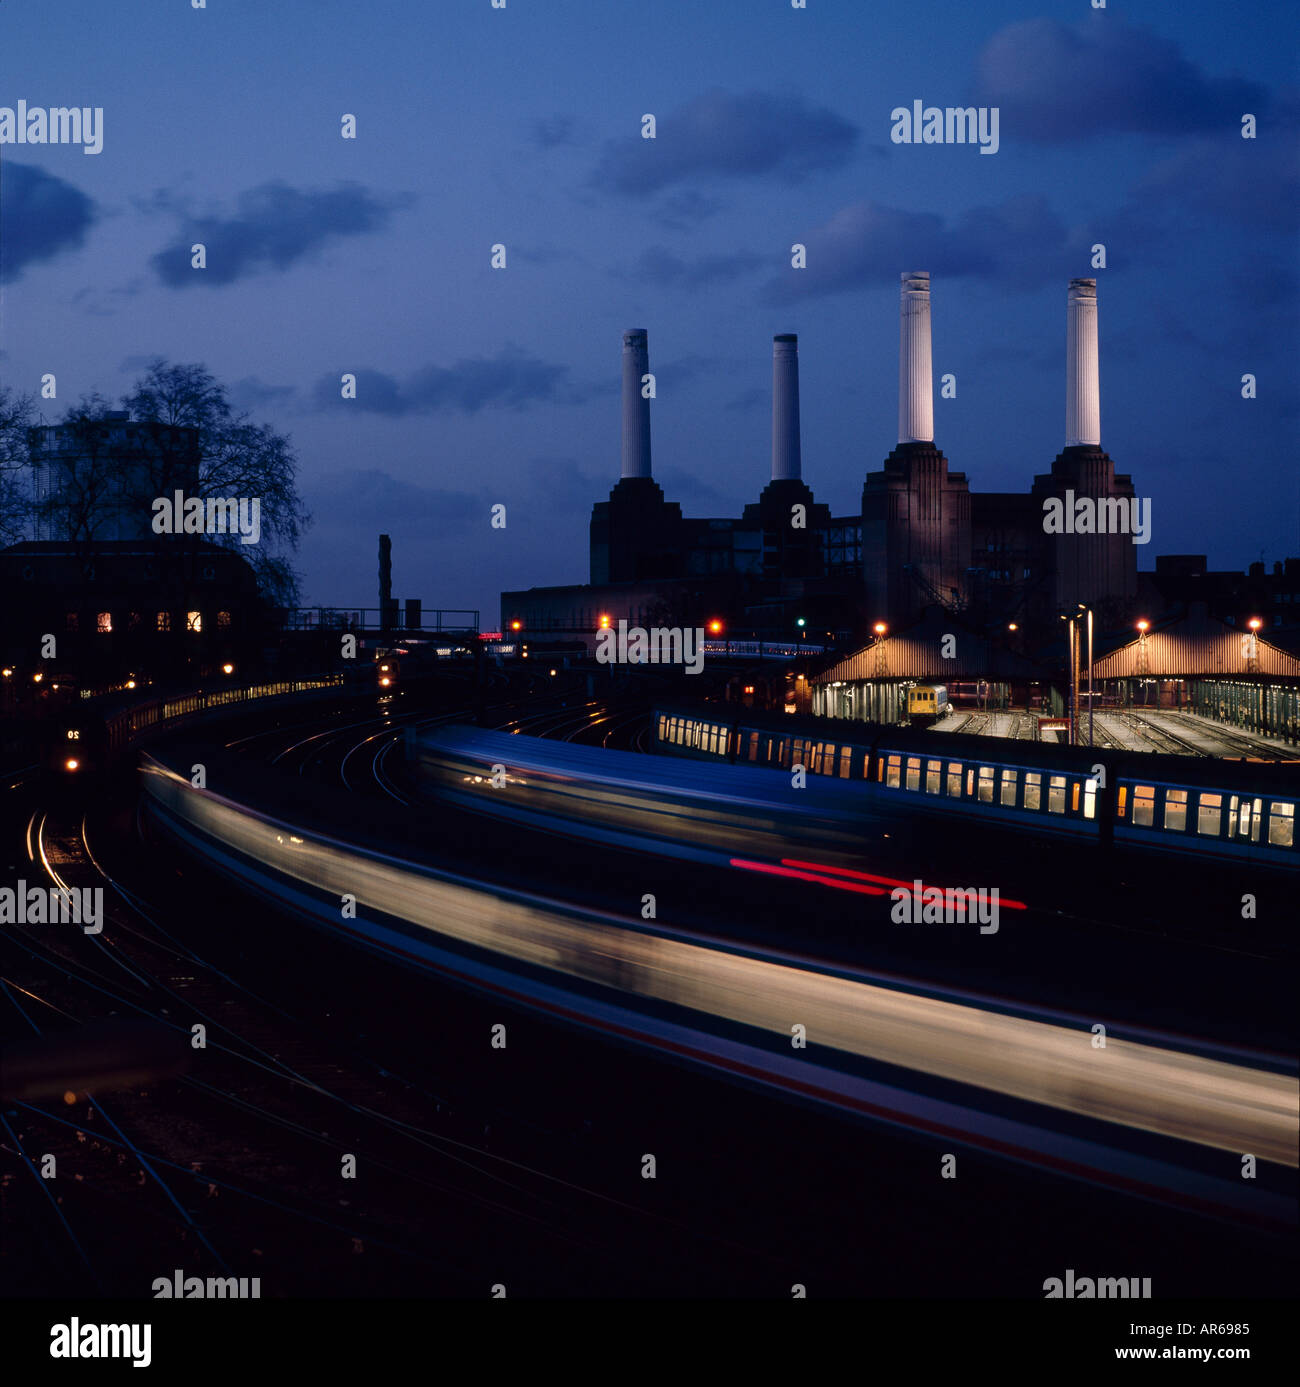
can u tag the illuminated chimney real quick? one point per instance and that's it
(915, 372)
(785, 408)
(636, 408)
(1082, 383)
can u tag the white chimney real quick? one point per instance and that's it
(915, 372)
(785, 408)
(636, 408)
(1082, 383)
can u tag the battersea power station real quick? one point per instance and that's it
(922, 538)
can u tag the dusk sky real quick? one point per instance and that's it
(523, 126)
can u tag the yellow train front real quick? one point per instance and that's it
(926, 704)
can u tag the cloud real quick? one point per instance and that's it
(252, 394)
(371, 499)
(1056, 83)
(42, 217)
(668, 271)
(1255, 183)
(718, 135)
(274, 227)
(1020, 244)
(513, 379)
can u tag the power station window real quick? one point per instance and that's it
(1210, 815)
(1281, 825)
(1033, 790)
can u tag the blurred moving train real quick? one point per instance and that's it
(1202, 807)
(862, 782)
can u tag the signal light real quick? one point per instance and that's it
(516, 625)
(801, 622)
(604, 622)
(71, 763)
(715, 626)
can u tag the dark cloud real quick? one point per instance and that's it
(1019, 244)
(513, 379)
(1055, 82)
(662, 268)
(370, 498)
(718, 135)
(1254, 183)
(41, 216)
(252, 394)
(274, 227)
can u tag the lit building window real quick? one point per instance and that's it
(194, 622)
(104, 623)
(164, 621)
(72, 621)
(223, 620)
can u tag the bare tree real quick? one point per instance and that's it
(236, 457)
(17, 413)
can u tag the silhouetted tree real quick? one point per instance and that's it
(236, 458)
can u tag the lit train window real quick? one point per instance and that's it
(986, 785)
(1033, 790)
(1074, 798)
(913, 772)
(1281, 825)
(1144, 805)
(846, 761)
(954, 779)
(932, 776)
(890, 771)
(970, 783)
(1176, 810)
(1255, 816)
(1056, 795)
(753, 746)
(1009, 779)
(1210, 815)
(663, 725)
(1122, 806)
(1089, 799)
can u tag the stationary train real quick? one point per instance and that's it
(927, 703)
(1211, 809)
